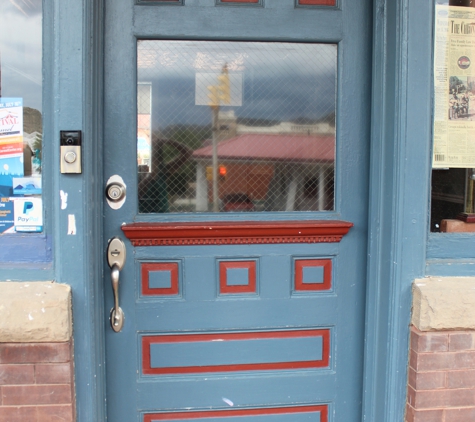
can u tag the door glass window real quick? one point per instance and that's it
(235, 126)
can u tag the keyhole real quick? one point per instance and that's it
(115, 252)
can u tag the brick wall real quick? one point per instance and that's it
(36, 364)
(441, 385)
(36, 382)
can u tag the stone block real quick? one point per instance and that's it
(444, 303)
(34, 312)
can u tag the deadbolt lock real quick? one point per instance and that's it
(115, 191)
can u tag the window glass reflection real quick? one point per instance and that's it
(20, 115)
(235, 126)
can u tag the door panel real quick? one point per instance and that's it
(239, 316)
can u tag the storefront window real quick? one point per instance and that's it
(20, 116)
(453, 174)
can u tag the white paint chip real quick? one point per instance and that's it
(227, 401)
(64, 199)
(71, 224)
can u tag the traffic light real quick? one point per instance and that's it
(213, 96)
(220, 93)
(222, 171)
(224, 86)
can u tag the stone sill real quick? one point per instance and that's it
(444, 303)
(35, 312)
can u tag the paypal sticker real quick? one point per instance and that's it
(28, 215)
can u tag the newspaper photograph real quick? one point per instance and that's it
(454, 87)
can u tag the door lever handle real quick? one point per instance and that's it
(116, 260)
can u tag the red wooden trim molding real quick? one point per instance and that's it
(224, 288)
(147, 341)
(318, 2)
(204, 414)
(236, 232)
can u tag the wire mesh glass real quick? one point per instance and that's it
(235, 126)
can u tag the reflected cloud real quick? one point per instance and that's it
(21, 50)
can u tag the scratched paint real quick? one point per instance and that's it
(64, 199)
(71, 224)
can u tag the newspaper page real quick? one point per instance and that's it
(454, 87)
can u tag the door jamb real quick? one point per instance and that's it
(399, 189)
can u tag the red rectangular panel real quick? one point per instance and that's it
(224, 288)
(146, 269)
(300, 264)
(318, 2)
(173, 416)
(186, 338)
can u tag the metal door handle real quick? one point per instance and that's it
(116, 260)
(116, 315)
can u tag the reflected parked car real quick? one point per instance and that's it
(237, 202)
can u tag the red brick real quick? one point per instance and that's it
(54, 373)
(411, 396)
(460, 415)
(430, 361)
(432, 399)
(409, 417)
(442, 361)
(464, 360)
(36, 394)
(429, 342)
(461, 341)
(461, 379)
(61, 413)
(34, 352)
(17, 414)
(17, 374)
(432, 415)
(427, 380)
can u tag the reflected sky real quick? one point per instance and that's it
(21, 50)
(280, 81)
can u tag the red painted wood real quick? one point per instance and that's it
(327, 274)
(159, 266)
(323, 409)
(235, 232)
(248, 288)
(186, 338)
(318, 2)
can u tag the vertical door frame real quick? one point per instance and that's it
(398, 202)
(399, 196)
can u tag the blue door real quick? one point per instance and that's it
(236, 143)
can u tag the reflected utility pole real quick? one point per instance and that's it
(221, 92)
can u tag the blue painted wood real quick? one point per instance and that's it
(275, 306)
(312, 275)
(300, 388)
(229, 352)
(450, 267)
(450, 246)
(400, 169)
(237, 277)
(74, 70)
(160, 280)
